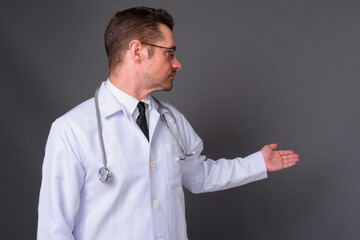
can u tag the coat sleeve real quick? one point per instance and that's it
(201, 174)
(62, 180)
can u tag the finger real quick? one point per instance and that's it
(290, 161)
(290, 164)
(285, 152)
(293, 160)
(273, 146)
(290, 156)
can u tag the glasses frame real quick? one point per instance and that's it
(173, 49)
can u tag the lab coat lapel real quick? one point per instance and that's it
(108, 103)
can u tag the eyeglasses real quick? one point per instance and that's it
(171, 50)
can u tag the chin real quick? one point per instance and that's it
(168, 88)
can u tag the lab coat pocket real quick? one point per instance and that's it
(173, 166)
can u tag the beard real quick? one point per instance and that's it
(158, 83)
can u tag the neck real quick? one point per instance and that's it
(129, 82)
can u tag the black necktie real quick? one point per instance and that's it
(141, 119)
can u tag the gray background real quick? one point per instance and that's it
(254, 72)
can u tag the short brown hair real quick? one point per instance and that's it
(141, 23)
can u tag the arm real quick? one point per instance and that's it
(210, 175)
(61, 184)
(214, 175)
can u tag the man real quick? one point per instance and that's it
(144, 197)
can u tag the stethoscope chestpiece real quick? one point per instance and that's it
(104, 174)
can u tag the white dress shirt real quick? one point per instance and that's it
(129, 102)
(144, 200)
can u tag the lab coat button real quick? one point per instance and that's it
(156, 202)
(153, 164)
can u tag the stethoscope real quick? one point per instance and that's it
(104, 173)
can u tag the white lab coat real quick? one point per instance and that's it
(145, 199)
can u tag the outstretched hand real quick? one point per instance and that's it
(278, 160)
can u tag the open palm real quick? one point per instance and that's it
(278, 160)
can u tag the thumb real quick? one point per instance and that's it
(273, 146)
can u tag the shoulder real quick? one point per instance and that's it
(84, 109)
(78, 117)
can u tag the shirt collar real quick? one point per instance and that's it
(129, 102)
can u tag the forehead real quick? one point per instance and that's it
(169, 40)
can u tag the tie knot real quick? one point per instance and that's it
(141, 107)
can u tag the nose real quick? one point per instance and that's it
(176, 64)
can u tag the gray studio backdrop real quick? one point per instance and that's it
(254, 72)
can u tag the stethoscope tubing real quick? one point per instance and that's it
(99, 128)
(181, 144)
(104, 174)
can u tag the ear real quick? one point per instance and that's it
(136, 50)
